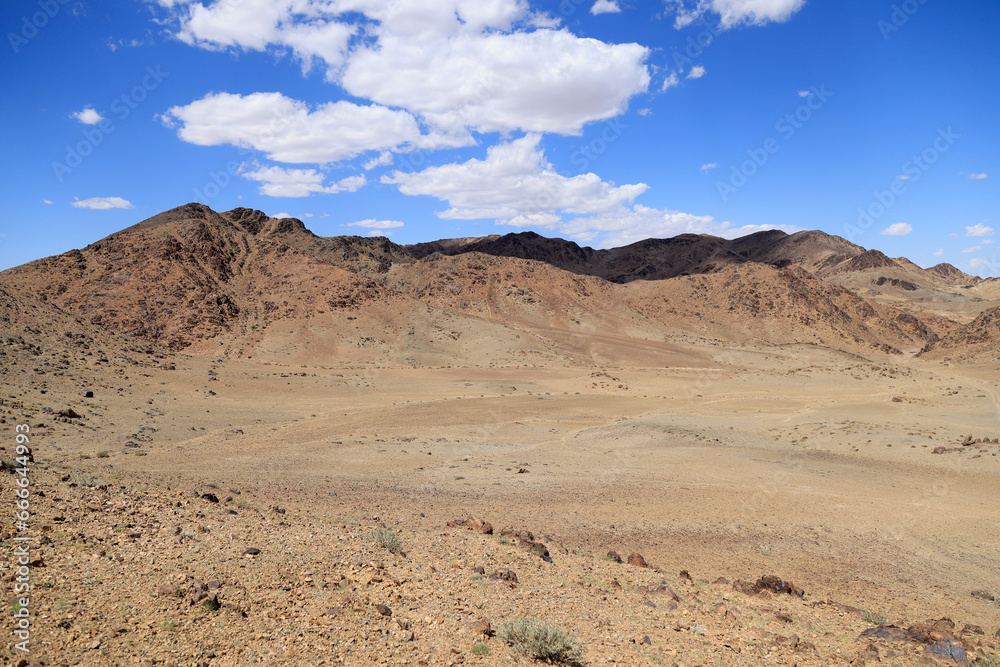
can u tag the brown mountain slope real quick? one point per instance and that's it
(240, 283)
(866, 272)
(978, 341)
(759, 303)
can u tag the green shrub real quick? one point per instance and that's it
(539, 641)
(873, 618)
(388, 538)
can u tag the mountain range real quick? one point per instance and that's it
(241, 283)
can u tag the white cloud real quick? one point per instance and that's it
(979, 229)
(671, 81)
(605, 7)
(980, 263)
(987, 241)
(939, 253)
(280, 182)
(645, 112)
(898, 229)
(457, 64)
(384, 158)
(805, 93)
(372, 223)
(709, 166)
(975, 248)
(102, 203)
(541, 81)
(733, 13)
(46, 201)
(379, 232)
(902, 178)
(88, 116)
(287, 131)
(281, 216)
(696, 72)
(514, 185)
(978, 177)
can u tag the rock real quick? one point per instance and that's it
(646, 640)
(776, 585)
(686, 575)
(666, 590)
(721, 609)
(745, 587)
(251, 551)
(970, 629)
(637, 560)
(983, 595)
(69, 413)
(948, 649)
(482, 627)
(617, 585)
(383, 610)
(88, 394)
(505, 575)
(168, 591)
(721, 580)
(210, 497)
(538, 549)
(479, 569)
(333, 611)
(613, 556)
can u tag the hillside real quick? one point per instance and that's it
(240, 283)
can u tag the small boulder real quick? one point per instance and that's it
(637, 560)
(613, 556)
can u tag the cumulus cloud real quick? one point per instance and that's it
(709, 166)
(492, 66)
(540, 81)
(734, 13)
(696, 72)
(671, 81)
(279, 182)
(286, 130)
(939, 253)
(975, 248)
(46, 201)
(385, 158)
(102, 203)
(898, 229)
(979, 229)
(902, 178)
(805, 93)
(979, 177)
(605, 7)
(514, 184)
(87, 116)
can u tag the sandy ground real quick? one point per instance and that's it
(813, 465)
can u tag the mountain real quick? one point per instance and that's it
(829, 257)
(241, 283)
(975, 342)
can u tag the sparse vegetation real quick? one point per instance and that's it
(388, 538)
(873, 618)
(103, 454)
(480, 649)
(540, 641)
(986, 661)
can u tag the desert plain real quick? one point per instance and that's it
(216, 496)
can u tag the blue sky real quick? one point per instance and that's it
(602, 122)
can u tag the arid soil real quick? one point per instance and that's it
(232, 421)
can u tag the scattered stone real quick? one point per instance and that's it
(69, 413)
(984, 595)
(776, 585)
(745, 587)
(970, 629)
(637, 560)
(686, 575)
(538, 549)
(482, 627)
(504, 575)
(210, 497)
(479, 569)
(383, 610)
(88, 394)
(613, 556)
(251, 551)
(168, 591)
